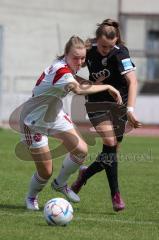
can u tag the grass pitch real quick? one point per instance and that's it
(93, 217)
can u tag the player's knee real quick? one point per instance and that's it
(80, 154)
(110, 142)
(45, 173)
(83, 150)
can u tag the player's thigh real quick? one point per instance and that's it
(106, 131)
(43, 160)
(72, 141)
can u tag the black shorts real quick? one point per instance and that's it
(99, 112)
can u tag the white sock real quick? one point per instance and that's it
(37, 183)
(69, 166)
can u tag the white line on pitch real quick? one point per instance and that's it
(40, 214)
(116, 220)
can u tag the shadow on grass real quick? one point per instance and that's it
(12, 207)
(17, 207)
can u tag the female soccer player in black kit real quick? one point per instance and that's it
(108, 62)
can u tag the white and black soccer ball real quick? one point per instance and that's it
(58, 211)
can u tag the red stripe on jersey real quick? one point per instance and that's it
(67, 118)
(40, 79)
(60, 72)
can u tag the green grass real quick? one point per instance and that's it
(93, 217)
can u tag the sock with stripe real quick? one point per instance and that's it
(37, 183)
(70, 165)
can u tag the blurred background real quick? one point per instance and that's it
(32, 33)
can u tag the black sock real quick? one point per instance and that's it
(93, 169)
(106, 160)
(111, 168)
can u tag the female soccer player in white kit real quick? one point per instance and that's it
(43, 115)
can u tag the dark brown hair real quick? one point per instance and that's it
(110, 29)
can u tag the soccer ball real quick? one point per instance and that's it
(58, 211)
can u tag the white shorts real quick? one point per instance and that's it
(36, 137)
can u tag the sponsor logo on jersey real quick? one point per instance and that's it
(104, 61)
(127, 64)
(101, 75)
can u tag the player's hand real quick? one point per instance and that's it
(133, 120)
(115, 94)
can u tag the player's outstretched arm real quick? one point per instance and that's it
(87, 88)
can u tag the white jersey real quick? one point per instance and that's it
(45, 108)
(54, 80)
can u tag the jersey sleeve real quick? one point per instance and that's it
(124, 61)
(63, 76)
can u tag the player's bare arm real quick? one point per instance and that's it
(87, 88)
(132, 90)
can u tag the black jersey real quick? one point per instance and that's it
(112, 67)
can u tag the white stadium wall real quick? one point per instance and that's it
(146, 109)
(140, 6)
(34, 32)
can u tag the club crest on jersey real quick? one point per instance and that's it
(104, 61)
(101, 75)
(37, 137)
(66, 76)
(89, 62)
